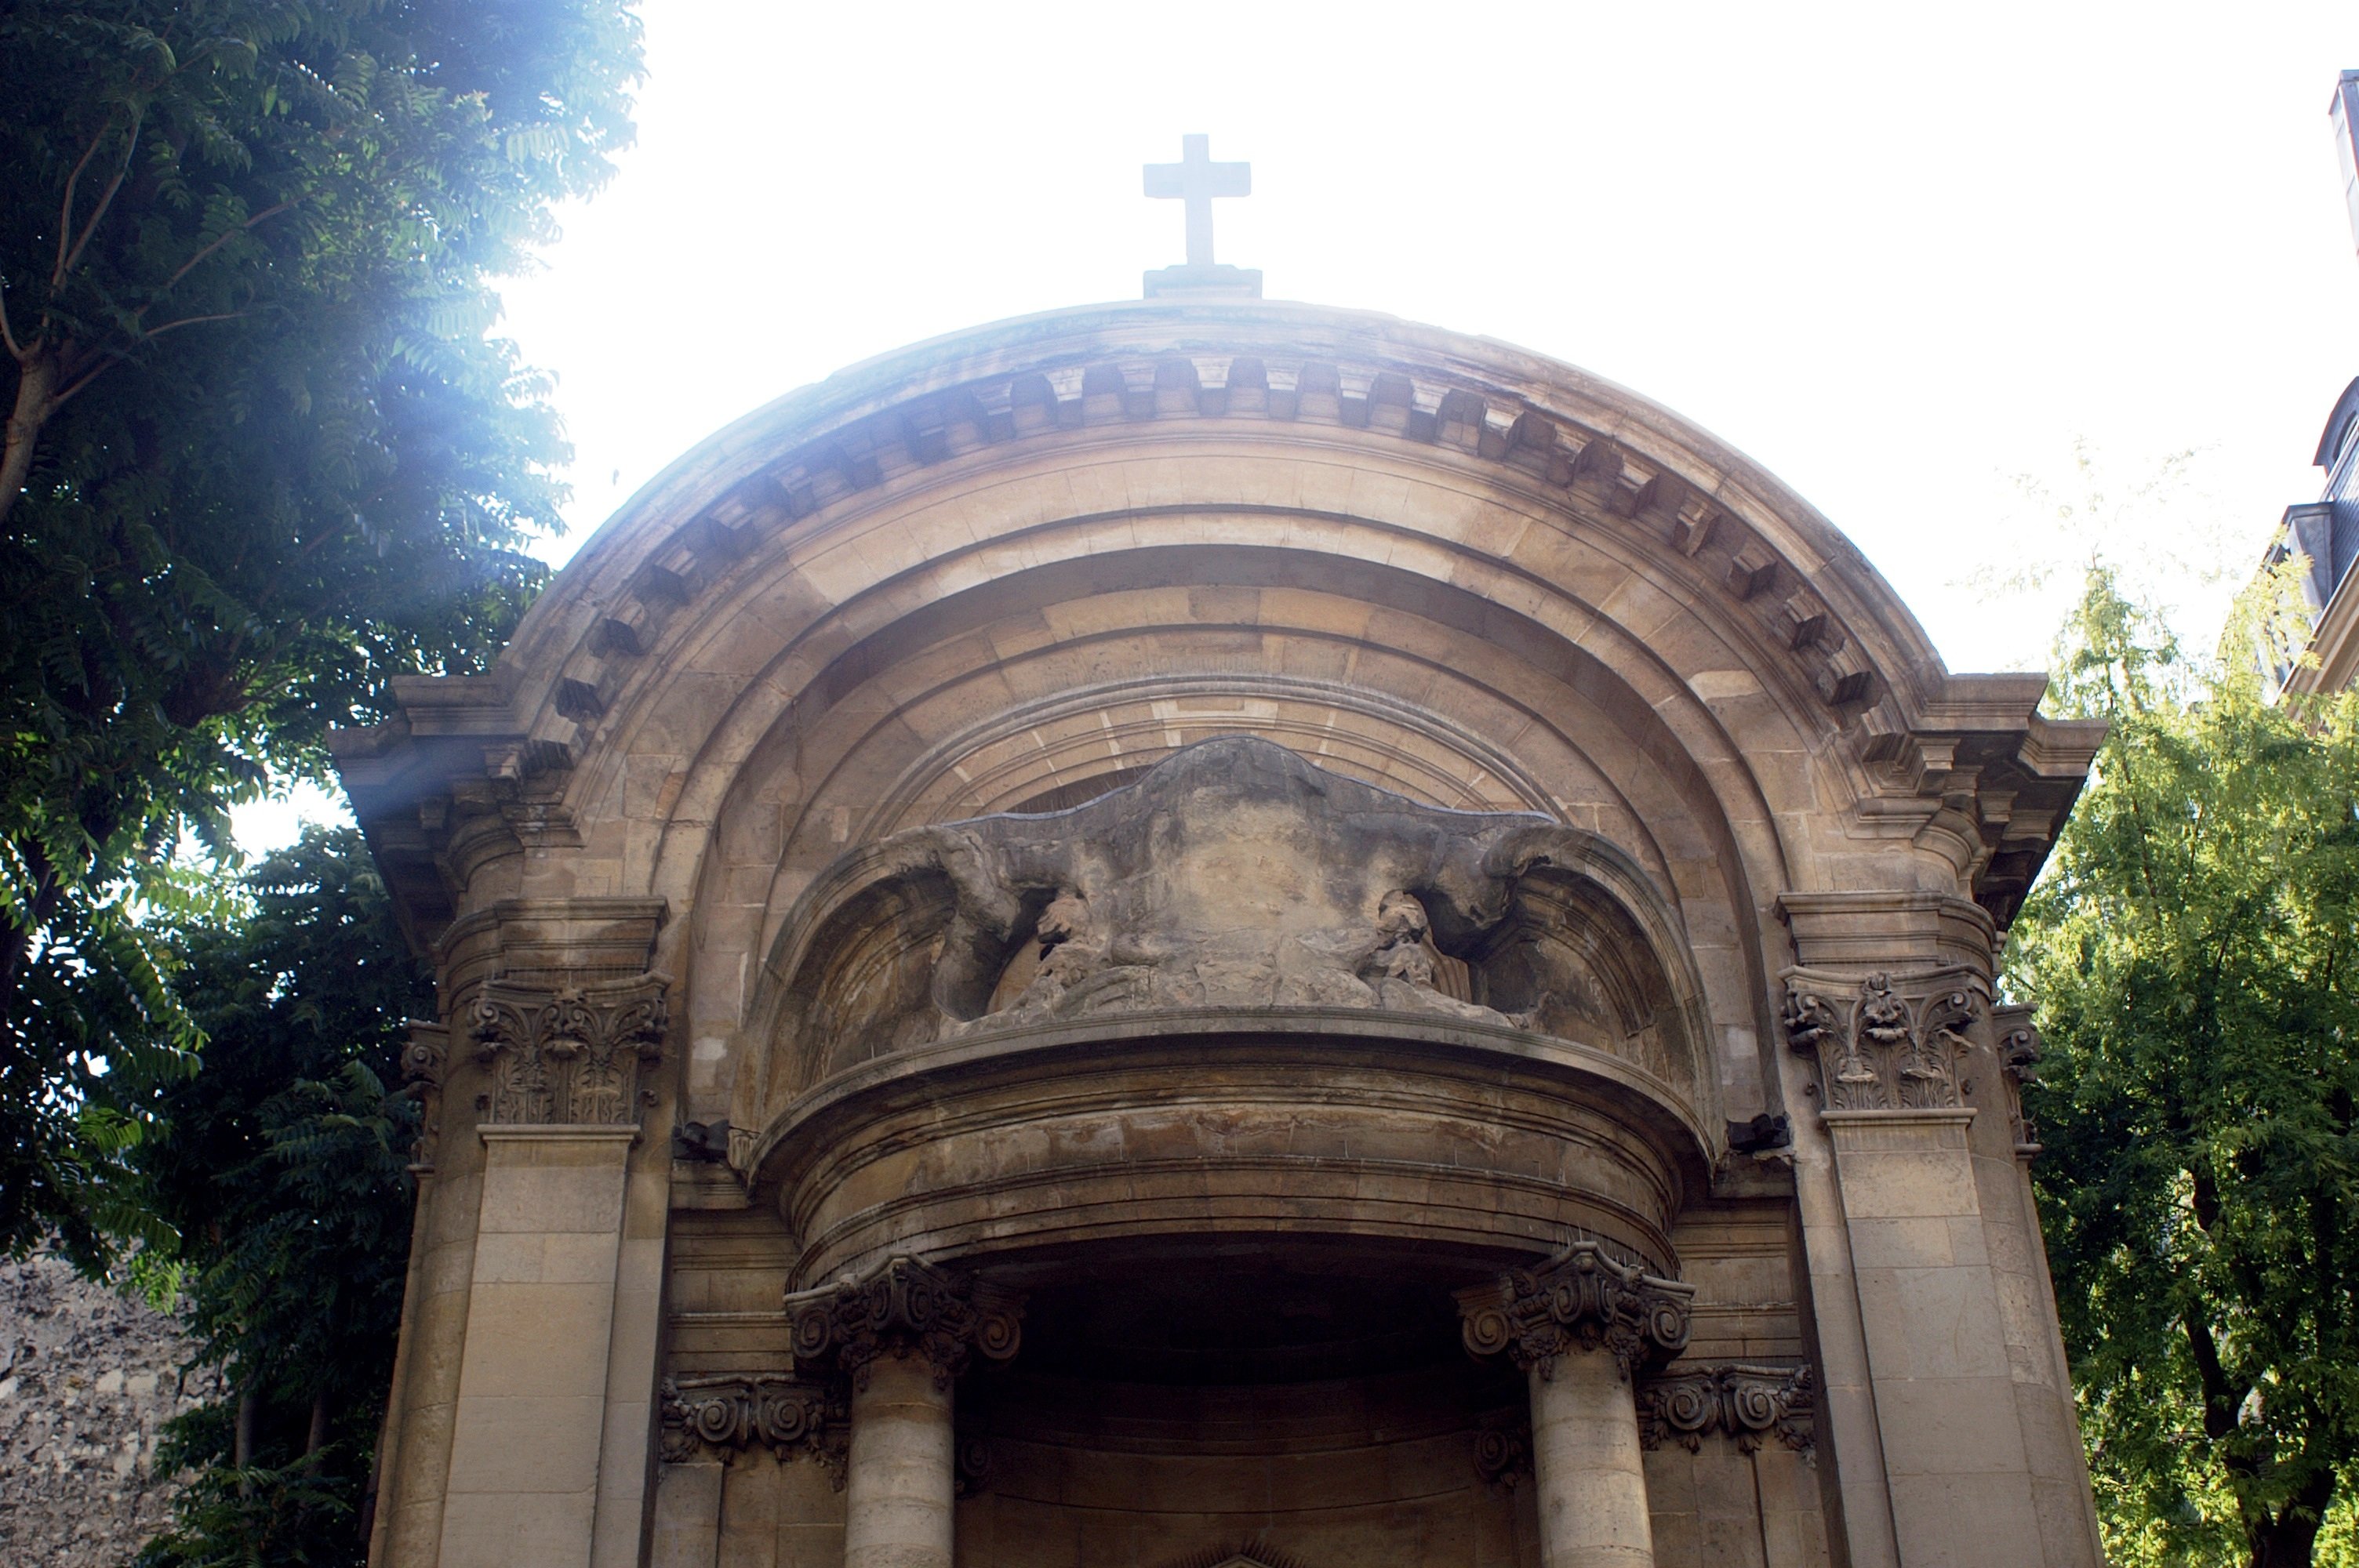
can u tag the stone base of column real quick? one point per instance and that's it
(902, 1471)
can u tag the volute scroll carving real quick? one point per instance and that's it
(1583, 1298)
(728, 1415)
(574, 1055)
(901, 1307)
(1749, 1404)
(1886, 1042)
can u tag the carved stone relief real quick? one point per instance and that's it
(1884, 1043)
(1749, 1404)
(2018, 1058)
(903, 1306)
(1583, 1298)
(424, 1059)
(725, 1416)
(571, 1057)
(1234, 874)
(1503, 1448)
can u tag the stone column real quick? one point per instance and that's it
(902, 1472)
(1582, 1325)
(900, 1334)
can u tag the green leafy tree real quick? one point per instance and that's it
(2193, 952)
(280, 1171)
(260, 454)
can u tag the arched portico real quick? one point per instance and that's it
(851, 824)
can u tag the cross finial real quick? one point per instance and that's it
(1195, 179)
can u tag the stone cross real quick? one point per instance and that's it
(1196, 180)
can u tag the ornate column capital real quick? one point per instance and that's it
(729, 1414)
(1581, 1299)
(568, 1055)
(903, 1306)
(1749, 1404)
(1886, 1043)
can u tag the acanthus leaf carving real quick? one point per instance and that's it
(1749, 1404)
(1583, 1298)
(903, 1306)
(1892, 1045)
(575, 1055)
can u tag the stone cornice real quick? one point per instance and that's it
(1583, 1298)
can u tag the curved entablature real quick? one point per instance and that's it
(1233, 875)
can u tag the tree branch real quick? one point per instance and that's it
(118, 355)
(130, 145)
(65, 211)
(193, 262)
(7, 334)
(2219, 1399)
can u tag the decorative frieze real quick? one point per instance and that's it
(1884, 1043)
(1749, 1404)
(725, 1416)
(1582, 1299)
(903, 1306)
(574, 1055)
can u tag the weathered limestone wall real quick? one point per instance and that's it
(87, 1379)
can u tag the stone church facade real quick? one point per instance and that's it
(1207, 932)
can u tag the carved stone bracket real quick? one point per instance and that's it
(424, 1060)
(903, 1306)
(728, 1415)
(573, 1056)
(1582, 1299)
(1887, 1043)
(1502, 1449)
(2018, 1058)
(1749, 1404)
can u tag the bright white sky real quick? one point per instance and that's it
(1899, 254)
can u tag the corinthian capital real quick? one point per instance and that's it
(1580, 1300)
(573, 1056)
(903, 1306)
(1887, 1043)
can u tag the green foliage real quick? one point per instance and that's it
(260, 458)
(280, 1169)
(2193, 952)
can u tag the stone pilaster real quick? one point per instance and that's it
(527, 1388)
(1582, 1326)
(1941, 1423)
